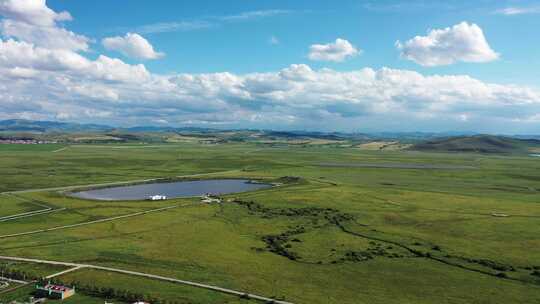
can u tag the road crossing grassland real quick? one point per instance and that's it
(13, 206)
(60, 150)
(76, 266)
(145, 275)
(115, 218)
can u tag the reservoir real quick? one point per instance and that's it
(171, 189)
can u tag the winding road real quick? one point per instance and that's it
(75, 266)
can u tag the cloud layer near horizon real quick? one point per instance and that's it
(38, 81)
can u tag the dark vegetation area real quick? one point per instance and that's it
(314, 219)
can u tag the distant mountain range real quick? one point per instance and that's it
(23, 125)
(467, 141)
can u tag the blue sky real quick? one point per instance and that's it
(241, 46)
(322, 65)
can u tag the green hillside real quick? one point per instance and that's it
(478, 144)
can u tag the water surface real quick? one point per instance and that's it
(171, 189)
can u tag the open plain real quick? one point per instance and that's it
(391, 227)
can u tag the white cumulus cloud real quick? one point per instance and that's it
(51, 37)
(33, 12)
(462, 42)
(336, 51)
(132, 45)
(32, 21)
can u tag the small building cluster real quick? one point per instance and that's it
(25, 141)
(157, 197)
(209, 199)
(52, 291)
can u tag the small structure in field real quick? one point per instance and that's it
(157, 197)
(209, 199)
(52, 291)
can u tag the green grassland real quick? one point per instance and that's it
(339, 234)
(38, 270)
(12, 205)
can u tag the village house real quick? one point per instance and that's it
(52, 291)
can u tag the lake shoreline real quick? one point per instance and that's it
(171, 189)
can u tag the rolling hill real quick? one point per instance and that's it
(478, 144)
